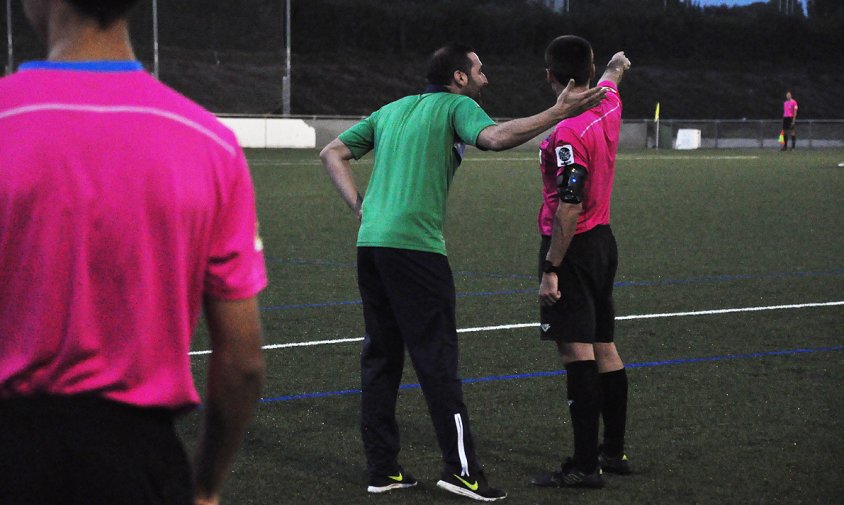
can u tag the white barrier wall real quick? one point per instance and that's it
(271, 132)
(316, 132)
(687, 138)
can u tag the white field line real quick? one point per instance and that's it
(267, 163)
(688, 158)
(534, 325)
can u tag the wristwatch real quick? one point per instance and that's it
(548, 267)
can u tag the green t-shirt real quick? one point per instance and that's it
(415, 159)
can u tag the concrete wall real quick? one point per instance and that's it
(271, 132)
(633, 135)
(328, 129)
(316, 132)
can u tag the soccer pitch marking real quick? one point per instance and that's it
(535, 325)
(620, 284)
(554, 373)
(645, 157)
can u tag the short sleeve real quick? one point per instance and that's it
(613, 97)
(569, 150)
(469, 119)
(236, 267)
(360, 138)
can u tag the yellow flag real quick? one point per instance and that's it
(656, 114)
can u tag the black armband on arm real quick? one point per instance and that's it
(570, 184)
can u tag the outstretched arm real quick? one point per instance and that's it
(518, 131)
(615, 68)
(335, 157)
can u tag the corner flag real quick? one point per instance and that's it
(656, 114)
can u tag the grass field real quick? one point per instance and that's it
(740, 406)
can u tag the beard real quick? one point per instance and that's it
(474, 91)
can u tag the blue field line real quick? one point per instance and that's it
(553, 373)
(311, 305)
(494, 275)
(301, 261)
(621, 284)
(338, 264)
(711, 279)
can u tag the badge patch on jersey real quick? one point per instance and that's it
(565, 155)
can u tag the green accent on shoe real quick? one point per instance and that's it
(473, 487)
(397, 478)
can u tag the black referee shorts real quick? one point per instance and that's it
(585, 311)
(83, 450)
(787, 123)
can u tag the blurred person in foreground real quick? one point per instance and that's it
(577, 264)
(124, 208)
(403, 273)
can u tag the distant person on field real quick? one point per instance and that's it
(403, 273)
(124, 208)
(577, 264)
(789, 120)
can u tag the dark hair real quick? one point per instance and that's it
(446, 60)
(105, 12)
(570, 57)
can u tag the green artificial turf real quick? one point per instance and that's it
(740, 407)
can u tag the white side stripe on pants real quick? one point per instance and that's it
(461, 449)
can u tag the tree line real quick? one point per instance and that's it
(655, 31)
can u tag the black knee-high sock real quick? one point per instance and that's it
(614, 410)
(793, 141)
(584, 395)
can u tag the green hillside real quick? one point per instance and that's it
(351, 56)
(358, 82)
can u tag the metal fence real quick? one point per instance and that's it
(187, 41)
(640, 133)
(728, 133)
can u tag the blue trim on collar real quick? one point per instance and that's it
(435, 88)
(85, 66)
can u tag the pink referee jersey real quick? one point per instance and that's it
(789, 107)
(121, 204)
(591, 141)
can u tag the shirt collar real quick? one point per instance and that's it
(86, 66)
(435, 88)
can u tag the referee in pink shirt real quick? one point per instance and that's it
(124, 209)
(578, 259)
(789, 118)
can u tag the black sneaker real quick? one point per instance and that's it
(570, 476)
(614, 464)
(472, 486)
(384, 483)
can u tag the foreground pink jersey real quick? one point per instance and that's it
(591, 141)
(121, 204)
(789, 107)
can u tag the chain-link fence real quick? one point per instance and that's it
(233, 58)
(237, 53)
(725, 134)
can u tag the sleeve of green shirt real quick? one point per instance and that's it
(360, 138)
(469, 120)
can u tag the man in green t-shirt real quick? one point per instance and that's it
(403, 273)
